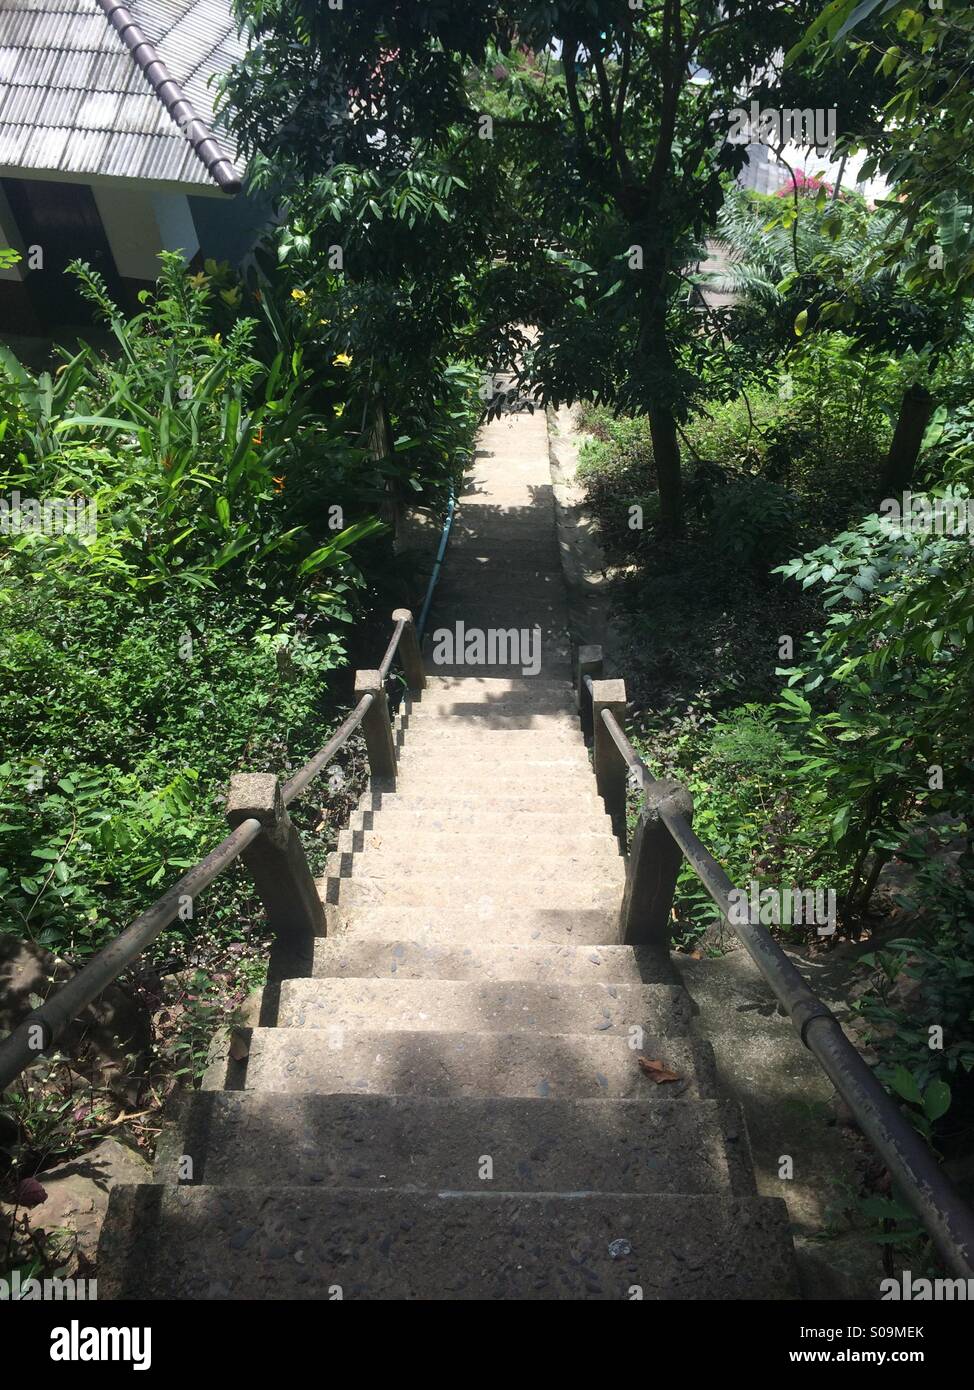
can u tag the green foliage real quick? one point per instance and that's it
(755, 821)
(754, 522)
(925, 979)
(922, 139)
(891, 678)
(196, 627)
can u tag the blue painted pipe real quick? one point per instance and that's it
(444, 539)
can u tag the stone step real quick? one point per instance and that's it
(480, 917)
(456, 798)
(419, 755)
(470, 818)
(217, 1243)
(541, 783)
(578, 808)
(481, 719)
(397, 815)
(379, 1061)
(427, 729)
(414, 1143)
(354, 955)
(389, 845)
(494, 688)
(555, 662)
(396, 858)
(487, 894)
(392, 1004)
(485, 611)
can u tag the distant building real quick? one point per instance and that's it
(107, 147)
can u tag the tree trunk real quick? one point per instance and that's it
(666, 454)
(916, 408)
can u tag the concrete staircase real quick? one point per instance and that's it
(451, 1105)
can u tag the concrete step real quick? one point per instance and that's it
(391, 845)
(494, 688)
(478, 720)
(248, 1139)
(424, 729)
(481, 917)
(217, 1243)
(397, 1004)
(378, 1061)
(353, 955)
(398, 814)
(396, 858)
(555, 661)
(577, 807)
(543, 784)
(488, 892)
(486, 611)
(419, 755)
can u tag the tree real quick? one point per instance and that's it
(924, 143)
(599, 131)
(817, 265)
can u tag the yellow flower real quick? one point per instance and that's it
(299, 295)
(342, 360)
(340, 409)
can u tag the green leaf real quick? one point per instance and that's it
(936, 1100)
(904, 1084)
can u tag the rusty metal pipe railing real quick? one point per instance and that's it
(924, 1185)
(41, 1028)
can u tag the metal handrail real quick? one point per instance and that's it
(944, 1214)
(438, 563)
(38, 1032)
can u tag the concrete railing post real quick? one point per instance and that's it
(377, 726)
(589, 664)
(409, 652)
(654, 863)
(610, 767)
(276, 859)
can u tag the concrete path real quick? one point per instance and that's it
(451, 1104)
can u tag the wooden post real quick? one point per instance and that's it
(589, 664)
(409, 652)
(377, 727)
(277, 861)
(654, 863)
(610, 767)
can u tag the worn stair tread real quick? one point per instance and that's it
(352, 954)
(489, 891)
(481, 918)
(474, 759)
(394, 858)
(249, 1139)
(435, 733)
(443, 818)
(485, 718)
(482, 1006)
(386, 1062)
(486, 783)
(454, 846)
(312, 1243)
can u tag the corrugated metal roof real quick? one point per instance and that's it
(73, 100)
